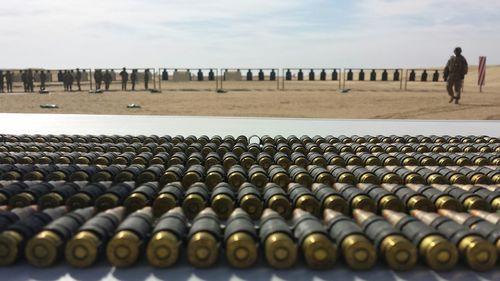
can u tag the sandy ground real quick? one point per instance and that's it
(382, 100)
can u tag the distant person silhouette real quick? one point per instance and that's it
(1, 81)
(78, 78)
(146, 78)
(60, 76)
(24, 79)
(30, 80)
(133, 78)
(68, 81)
(107, 79)
(9, 80)
(98, 78)
(43, 79)
(124, 77)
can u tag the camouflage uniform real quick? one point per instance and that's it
(146, 78)
(78, 77)
(98, 78)
(107, 79)
(456, 68)
(1, 81)
(24, 78)
(124, 76)
(71, 80)
(9, 79)
(30, 80)
(133, 78)
(66, 80)
(43, 79)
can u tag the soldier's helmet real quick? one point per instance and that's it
(458, 50)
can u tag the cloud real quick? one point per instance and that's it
(257, 33)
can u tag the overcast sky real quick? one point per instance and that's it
(246, 33)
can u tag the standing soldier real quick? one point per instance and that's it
(71, 80)
(146, 78)
(43, 79)
(65, 81)
(60, 76)
(133, 78)
(1, 81)
(98, 78)
(24, 78)
(456, 68)
(9, 78)
(107, 79)
(78, 77)
(124, 76)
(30, 80)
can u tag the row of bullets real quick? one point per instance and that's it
(224, 198)
(439, 240)
(247, 159)
(253, 148)
(203, 139)
(256, 174)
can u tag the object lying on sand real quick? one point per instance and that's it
(43, 91)
(98, 91)
(49, 105)
(133, 105)
(154, 91)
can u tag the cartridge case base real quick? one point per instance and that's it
(43, 249)
(202, 250)
(280, 251)
(241, 250)
(358, 252)
(9, 247)
(82, 250)
(163, 249)
(477, 253)
(319, 251)
(439, 254)
(123, 249)
(398, 252)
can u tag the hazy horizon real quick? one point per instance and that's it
(254, 33)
